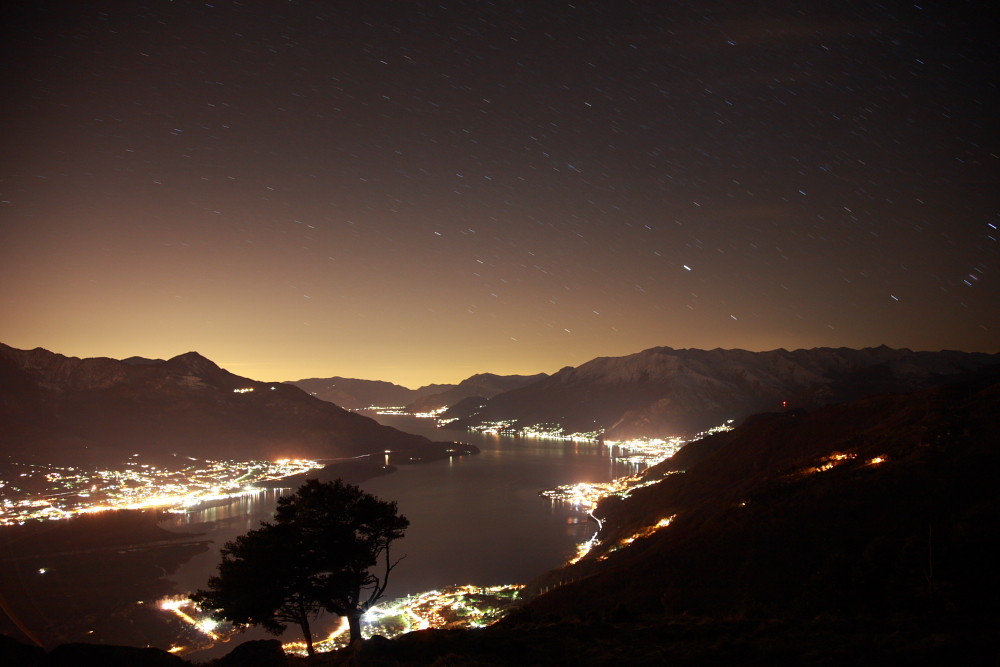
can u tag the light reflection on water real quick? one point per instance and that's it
(236, 510)
(476, 519)
(480, 519)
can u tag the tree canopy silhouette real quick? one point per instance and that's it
(327, 549)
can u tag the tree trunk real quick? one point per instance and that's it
(354, 620)
(307, 633)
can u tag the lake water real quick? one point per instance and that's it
(475, 519)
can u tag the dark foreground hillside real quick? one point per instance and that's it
(862, 533)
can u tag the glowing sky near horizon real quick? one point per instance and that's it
(417, 192)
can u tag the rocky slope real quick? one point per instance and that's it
(54, 407)
(879, 506)
(663, 391)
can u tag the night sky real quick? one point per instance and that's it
(419, 191)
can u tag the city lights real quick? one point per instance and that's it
(639, 534)
(38, 492)
(452, 607)
(828, 463)
(641, 451)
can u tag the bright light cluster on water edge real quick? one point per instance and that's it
(451, 607)
(640, 451)
(44, 492)
(538, 431)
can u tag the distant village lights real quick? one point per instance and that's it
(46, 492)
(647, 451)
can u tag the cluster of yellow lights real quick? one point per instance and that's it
(505, 427)
(645, 451)
(829, 462)
(430, 414)
(45, 492)
(176, 605)
(835, 459)
(586, 496)
(452, 607)
(639, 534)
(339, 637)
(536, 431)
(207, 630)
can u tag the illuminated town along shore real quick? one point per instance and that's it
(33, 492)
(641, 451)
(451, 607)
(456, 606)
(537, 431)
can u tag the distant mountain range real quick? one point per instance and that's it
(354, 394)
(189, 406)
(357, 394)
(62, 409)
(663, 391)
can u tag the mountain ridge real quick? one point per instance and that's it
(96, 408)
(662, 391)
(355, 393)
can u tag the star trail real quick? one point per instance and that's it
(419, 191)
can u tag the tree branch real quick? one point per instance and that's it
(380, 589)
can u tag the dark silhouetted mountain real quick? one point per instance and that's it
(354, 394)
(61, 408)
(882, 506)
(466, 408)
(141, 361)
(483, 384)
(662, 391)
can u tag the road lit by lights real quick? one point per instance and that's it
(339, 638)
(639, 534)
(643, 451)
(827, 463)
(835, 459)
(46, 492)
(183, 608)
